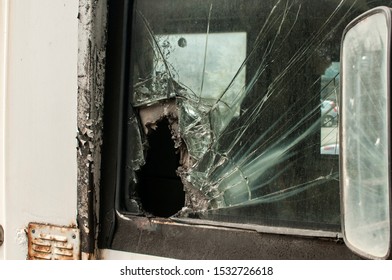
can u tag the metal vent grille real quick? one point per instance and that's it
(49, 242)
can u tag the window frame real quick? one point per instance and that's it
(138, 234)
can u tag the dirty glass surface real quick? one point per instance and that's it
(365, 165)
(233, 110)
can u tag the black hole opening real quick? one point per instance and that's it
(160, 189)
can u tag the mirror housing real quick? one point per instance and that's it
(365, 134)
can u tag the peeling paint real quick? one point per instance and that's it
(91, 70)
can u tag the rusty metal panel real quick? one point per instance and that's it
(49, 242)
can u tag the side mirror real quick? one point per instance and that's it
(365, 133)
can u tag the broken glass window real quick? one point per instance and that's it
(233, 110)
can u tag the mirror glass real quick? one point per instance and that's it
(365, 136)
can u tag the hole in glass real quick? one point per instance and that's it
(160, 189)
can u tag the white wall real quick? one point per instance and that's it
(3, 28)
(38, 99)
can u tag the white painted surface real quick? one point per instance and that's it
(119, 255)
(38, 172)
(3, 50)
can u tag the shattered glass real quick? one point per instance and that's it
(249, 79)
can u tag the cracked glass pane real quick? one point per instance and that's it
(249, 91)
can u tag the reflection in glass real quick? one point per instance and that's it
(330, 110)
(205, 68)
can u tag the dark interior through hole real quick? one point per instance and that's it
(160, 189)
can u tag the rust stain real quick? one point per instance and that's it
(51, 242)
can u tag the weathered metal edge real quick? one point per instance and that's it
(91, 79)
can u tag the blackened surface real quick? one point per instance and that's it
(113, 117)
(141, 235)
(91, 61)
